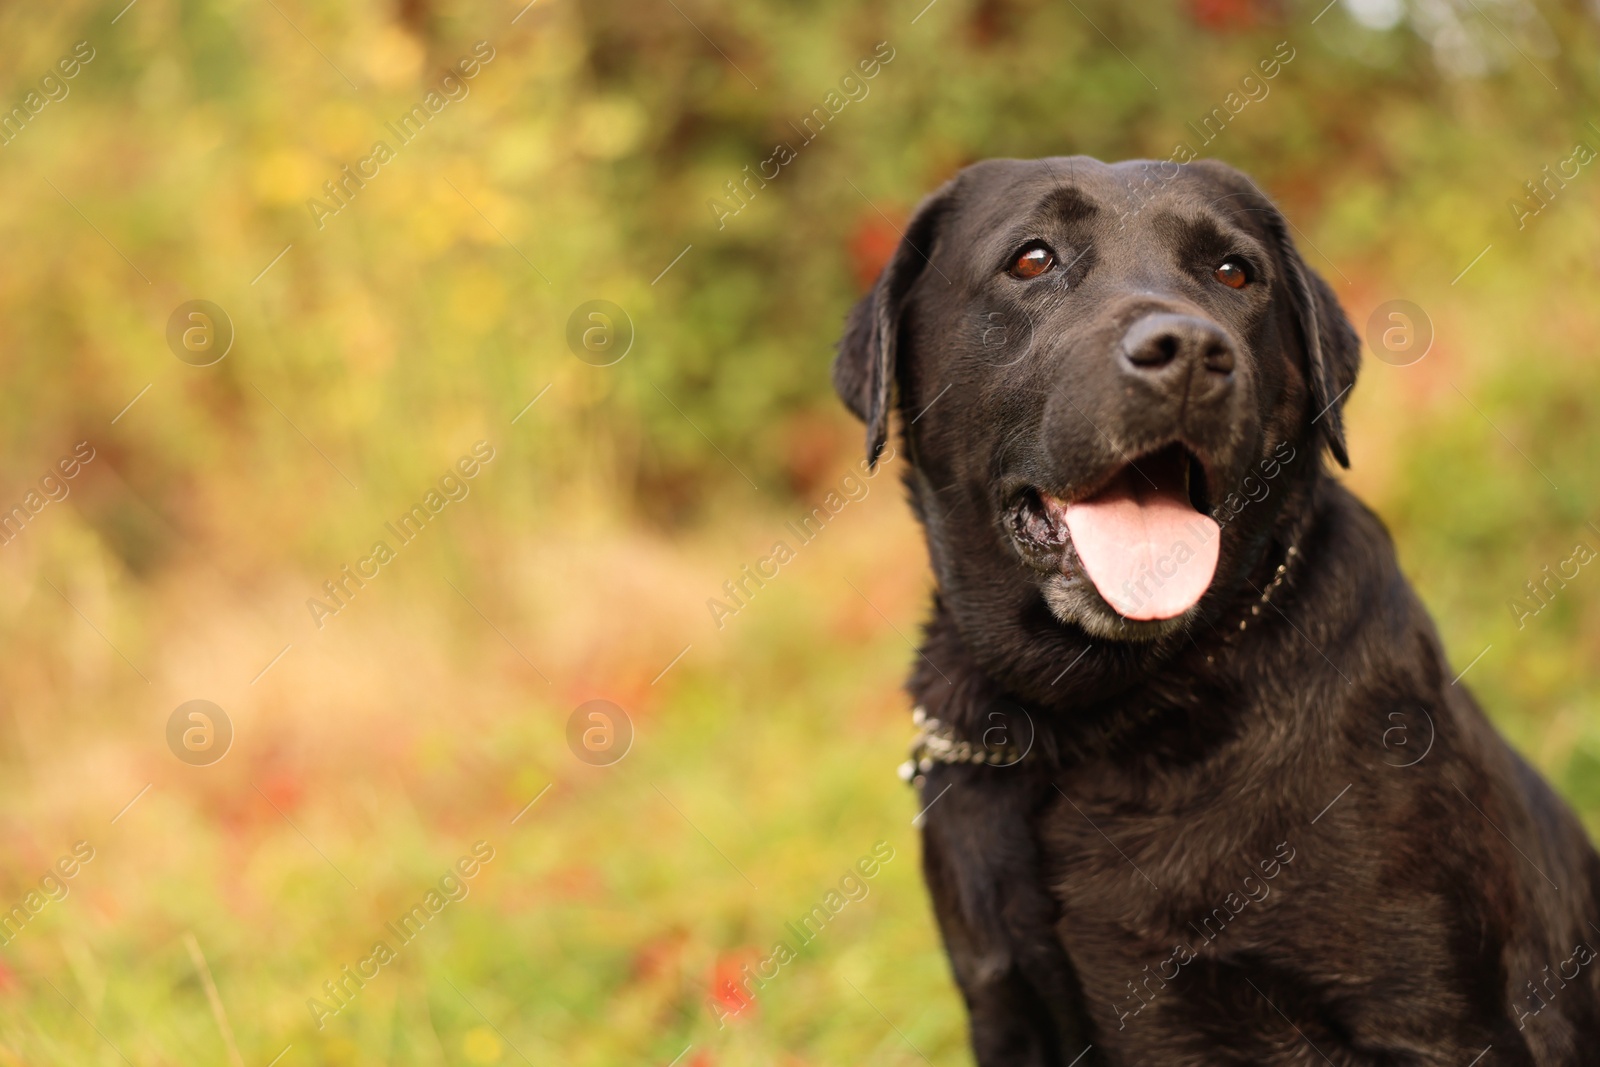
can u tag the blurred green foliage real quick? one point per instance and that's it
(371, 351)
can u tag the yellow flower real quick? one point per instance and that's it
(287, 176)
(481, 1045)
(477, 298)
(609, 128)
(394, 57)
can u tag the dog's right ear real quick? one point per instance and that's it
(864, 369)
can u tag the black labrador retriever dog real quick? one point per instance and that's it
(1199, 785)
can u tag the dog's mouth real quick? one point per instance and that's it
(1143, 537)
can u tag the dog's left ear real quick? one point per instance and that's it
(864, 369)
(1333, 349)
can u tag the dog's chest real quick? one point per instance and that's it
(1175, 919)
(1146, 902)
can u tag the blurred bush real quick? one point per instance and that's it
(583, 162)
(586, 160)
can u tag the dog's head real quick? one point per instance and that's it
(1104, 373)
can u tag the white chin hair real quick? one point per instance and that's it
(1077, 603)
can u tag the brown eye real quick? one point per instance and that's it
(1232, 274)
(1032, 262)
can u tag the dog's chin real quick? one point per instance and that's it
(1076, 602)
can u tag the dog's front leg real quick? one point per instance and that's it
(997, 920)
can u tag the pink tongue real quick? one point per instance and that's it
(1148, 551)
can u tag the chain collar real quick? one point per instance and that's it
(1278, 578)
(936, 742)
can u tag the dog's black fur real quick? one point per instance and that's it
(1254, 834)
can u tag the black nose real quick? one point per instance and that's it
(1181, 355)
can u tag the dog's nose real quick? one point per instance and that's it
(1180, 354)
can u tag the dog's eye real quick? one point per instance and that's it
(1032, 261)
(1232, 273)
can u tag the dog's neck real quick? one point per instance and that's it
(1120, 692)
